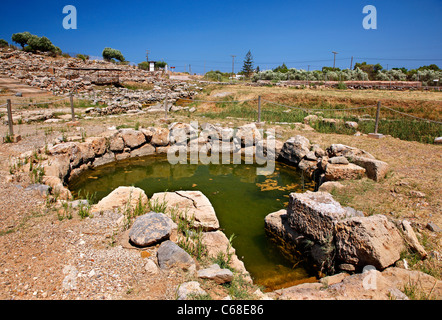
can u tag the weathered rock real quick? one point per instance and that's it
(411, 239)
(438, 140)
(108, 157)
(86, 151)
(194, 203)
(433, 227)
(338, 160)
(269, 150)
(188, 290)
(309, 167)
(160, 137)
(151, 267)
(143, 151)
(98, 145)
(328, 186)
(132, 138)
(314, 214)
(57, 187)
(276, 223)
(295, 148)
(116, 143)
(42, 189)
(170, 255)
(375, 169)
(342, 150)
(151, 228)
(248, 134)
(58, 166)
(120, 199)
(365, 241)
(214, 272)
(351, 124)
(215, 243)
(343, 172)
(311, 118)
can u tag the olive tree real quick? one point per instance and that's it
(109, 54)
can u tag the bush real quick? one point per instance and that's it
(3, 43)
(143, 65)
(109, 54)
(83, 57)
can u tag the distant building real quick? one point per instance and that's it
(151, 65)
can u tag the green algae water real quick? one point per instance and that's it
(240, 197)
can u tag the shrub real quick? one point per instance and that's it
(143, 65)
(3, 43)
(83, 57)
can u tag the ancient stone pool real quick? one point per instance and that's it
(240, 197)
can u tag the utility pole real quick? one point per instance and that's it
(147, 55)
(334, 59)
(351, 63)
(233, 64)
(190, 69)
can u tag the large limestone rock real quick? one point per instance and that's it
(248, 134)
(295, 149)
(98, 144)
(132, 138)
(349, 171)
(373, 240)
(143, 151)
(160, 137)
(194, 204)
(170, 255)
(151, 228)
(276, 224)
(121, 199)
(375, 169)
(314, 214)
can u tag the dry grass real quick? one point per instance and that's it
(424, 104)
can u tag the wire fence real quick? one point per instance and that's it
(257, 109)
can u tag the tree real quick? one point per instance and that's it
(160, 64)
(109, 54)
(3, 43)
(247, 67)
(21, 38)
(283, 68)
(370, 69)
(143, 65)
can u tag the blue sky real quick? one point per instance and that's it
(299, 33)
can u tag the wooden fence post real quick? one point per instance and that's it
(71, 98)
(376, 135)
(259, 108)
(378, 111)
(10, 121)
(165, 107)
